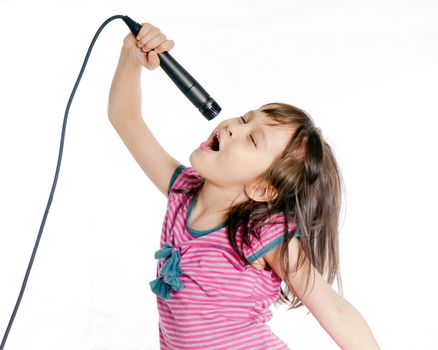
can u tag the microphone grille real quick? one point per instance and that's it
(212, 110)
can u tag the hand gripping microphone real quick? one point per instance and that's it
(185, 82)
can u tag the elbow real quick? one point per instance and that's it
(110, 112)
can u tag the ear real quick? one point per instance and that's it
(261, 192)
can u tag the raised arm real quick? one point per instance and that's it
(124, 105)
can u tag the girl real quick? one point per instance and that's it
(258, 206)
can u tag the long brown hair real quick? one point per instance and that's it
(309, 185)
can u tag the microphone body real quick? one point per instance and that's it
(185, 82)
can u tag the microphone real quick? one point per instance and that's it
(185, 82)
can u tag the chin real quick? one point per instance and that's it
(198, 165)
(195, 164)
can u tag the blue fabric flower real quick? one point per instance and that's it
(169, 272)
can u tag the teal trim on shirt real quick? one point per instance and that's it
(174, 175)
(266, 249)
(274, 243)
(199, 233)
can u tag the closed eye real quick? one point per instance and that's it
(252, 138)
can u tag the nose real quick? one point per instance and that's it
(225, 134)
(233, 130)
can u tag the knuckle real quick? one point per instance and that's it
(166, 46)
(170, 44)
(146, 25)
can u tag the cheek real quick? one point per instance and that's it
(239, 148)
(239, 161)
(235, 154)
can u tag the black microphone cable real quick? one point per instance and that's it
(185, 82)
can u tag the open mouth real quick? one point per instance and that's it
(213, 144)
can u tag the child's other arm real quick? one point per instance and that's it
(124, 105)
(336, 315)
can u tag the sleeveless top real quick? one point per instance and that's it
(207, 296)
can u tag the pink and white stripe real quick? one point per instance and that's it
(225, 302)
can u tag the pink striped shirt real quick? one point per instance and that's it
(221, 302)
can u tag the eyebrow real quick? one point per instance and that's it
(265, 142)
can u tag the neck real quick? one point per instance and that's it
(214, 200)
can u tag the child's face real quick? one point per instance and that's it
(238, 161)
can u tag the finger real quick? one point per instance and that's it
(154, 42)
(148, 36)
(166, 46)
(152, 60)
(145, 28)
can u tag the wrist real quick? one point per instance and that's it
(126, 59)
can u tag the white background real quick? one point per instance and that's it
(367, 74)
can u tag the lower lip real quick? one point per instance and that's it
(204, 147)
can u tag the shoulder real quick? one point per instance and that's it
(183, 178)
(271, 232)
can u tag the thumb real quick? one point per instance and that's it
(153, 59)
